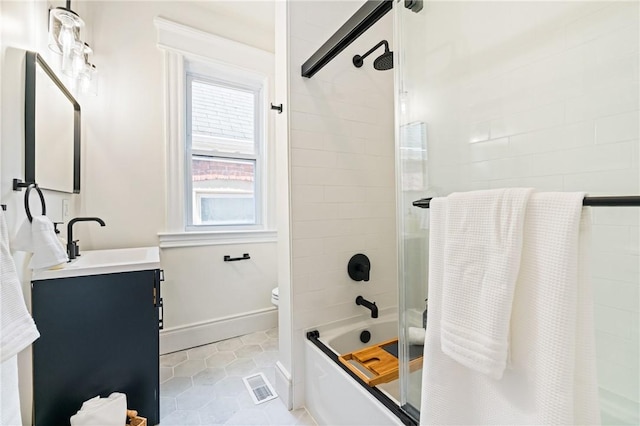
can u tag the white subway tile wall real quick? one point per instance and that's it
(543, 94)
(342, 170)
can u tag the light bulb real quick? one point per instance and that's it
(77, 63)
(85, 74)
(88, 80)
(73, 61)
(66, 39)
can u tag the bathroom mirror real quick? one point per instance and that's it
(52, 129)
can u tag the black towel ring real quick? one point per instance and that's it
(26, 201)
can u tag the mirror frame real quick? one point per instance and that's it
(33, 59)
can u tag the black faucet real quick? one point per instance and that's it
(72, 247)
(369, 305)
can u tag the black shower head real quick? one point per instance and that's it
(382, 62)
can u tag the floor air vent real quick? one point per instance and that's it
(259, 388)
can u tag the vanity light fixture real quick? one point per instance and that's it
(64, 29)
(64, 39)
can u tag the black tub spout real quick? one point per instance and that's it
(369, 305)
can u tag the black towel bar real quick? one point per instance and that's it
(26, 201)
(228, 258)
(619, 201)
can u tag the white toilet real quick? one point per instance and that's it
(275, 296)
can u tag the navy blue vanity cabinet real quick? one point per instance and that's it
(98, 334)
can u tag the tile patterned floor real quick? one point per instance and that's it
(203, 385)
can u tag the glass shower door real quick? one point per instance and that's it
(413, 265)
(493, 94)
(413, 223)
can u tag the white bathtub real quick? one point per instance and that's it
(331, 395)
(347, 338)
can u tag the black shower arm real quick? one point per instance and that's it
(386, 48)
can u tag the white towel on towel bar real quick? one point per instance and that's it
(551, 378)
(482, 248)
(38, 237)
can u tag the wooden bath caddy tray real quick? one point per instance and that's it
(375, 360)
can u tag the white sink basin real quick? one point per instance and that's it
(96, 262)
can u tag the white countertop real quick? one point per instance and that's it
(97, 262)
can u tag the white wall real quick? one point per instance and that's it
(342, 174)
(542, 94)
(125, 153)
(124, 172)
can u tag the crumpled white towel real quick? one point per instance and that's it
(551, 378)
(38, 237)
(17, 331)
(110, 411)
(482, 248)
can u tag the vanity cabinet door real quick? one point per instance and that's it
(98, 334)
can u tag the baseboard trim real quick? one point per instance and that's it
(196, 334)
(284, 385)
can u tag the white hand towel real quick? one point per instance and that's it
(551, 378)
(482, 248)
(17, 329)
(110, 411)
(23, 241)
(38, 237)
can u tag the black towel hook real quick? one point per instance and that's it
(26, 201)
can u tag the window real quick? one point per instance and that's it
(219, 163)
(224, 141)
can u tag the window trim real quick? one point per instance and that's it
(181, 46)
(196, 239)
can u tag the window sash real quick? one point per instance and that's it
(258, 140)
(216, 192)
(200, 196)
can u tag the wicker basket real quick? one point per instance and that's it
(138, 421)
(134, 419)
